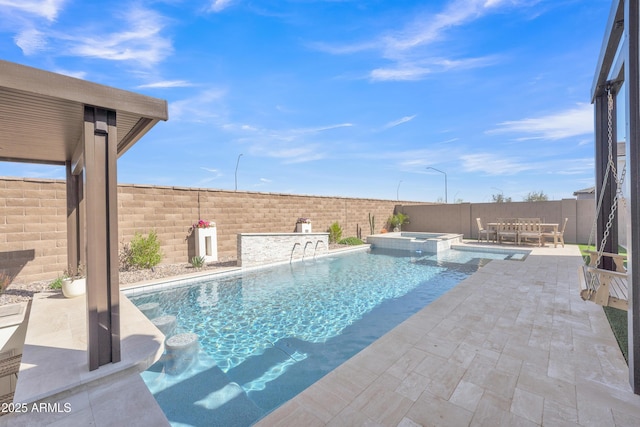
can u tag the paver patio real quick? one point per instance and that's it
(511, 345)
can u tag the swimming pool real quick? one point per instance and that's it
(267, 334)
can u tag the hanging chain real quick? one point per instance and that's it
(611, 167)
(608, 168)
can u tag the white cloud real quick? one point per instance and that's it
(400, 121)
(495, 164)
(220, 5)
(76, 74)
(290, 155)
(215, 172)
(47, 9)
(295, 145)
(564, 124)
(166, 84)
(205, 106)
(141, 41)
(418, 69)
(406, 48)
(31, 41)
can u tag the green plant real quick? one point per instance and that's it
(145, 251)
(351, 241)
(56, 284)
(536, 196)
(618, 322)
(197, 262)
(587, 257)
(398, 220)
(335, 232)
(372, 223)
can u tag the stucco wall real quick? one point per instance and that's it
(461, 218)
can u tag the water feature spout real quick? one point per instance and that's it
(316, 248)
(293, 250)
(304, 252)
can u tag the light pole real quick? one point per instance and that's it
(445, 181)
(398, 191)
(237, 163)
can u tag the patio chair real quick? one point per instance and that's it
(529, 228)
(559, 235)
(507, 228)
(486, 232)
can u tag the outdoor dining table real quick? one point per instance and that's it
(546, 227)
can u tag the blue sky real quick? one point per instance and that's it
(337, 97)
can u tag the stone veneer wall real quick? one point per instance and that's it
(33, 220)
(264, 248)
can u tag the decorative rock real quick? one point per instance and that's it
(166, 324)
(150, 309)
(181, 351)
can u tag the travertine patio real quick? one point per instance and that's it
(512, 345)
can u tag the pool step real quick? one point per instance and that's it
(203, 395)
(261, 375)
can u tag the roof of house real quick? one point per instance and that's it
(589, 190)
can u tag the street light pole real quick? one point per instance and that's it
(398, 191)
(237, 163)
(445, 181)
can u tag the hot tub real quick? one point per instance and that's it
(415, 241)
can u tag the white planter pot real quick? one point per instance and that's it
(303, 228)
(72, 288)
(207, 243)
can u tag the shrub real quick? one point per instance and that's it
(145, 251)
(56, 284)
(351, 241)
(398, 220)
(124, 257)
(197, 261)
(335, 232)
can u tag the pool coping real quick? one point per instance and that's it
(185, 280)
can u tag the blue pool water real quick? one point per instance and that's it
(267, 334)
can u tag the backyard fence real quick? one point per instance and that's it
(461, 217)
(33, 219)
